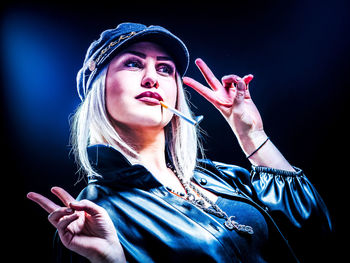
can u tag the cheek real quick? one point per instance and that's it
(171, 100)
(171, 94)
(115, 95)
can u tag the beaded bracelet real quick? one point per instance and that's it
(257, 149)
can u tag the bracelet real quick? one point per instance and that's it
(257, 149)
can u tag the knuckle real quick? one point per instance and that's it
(52, 219)
(49, 217)
(85, 202)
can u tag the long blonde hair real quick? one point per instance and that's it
(90, 125)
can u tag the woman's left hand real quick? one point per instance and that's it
(232, 98)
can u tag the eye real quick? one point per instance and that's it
(165, 69)
(133, 63)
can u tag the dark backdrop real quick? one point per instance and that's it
(298, 52)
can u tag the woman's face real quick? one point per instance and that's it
(137, 78)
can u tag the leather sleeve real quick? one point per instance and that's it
(292, 201)
(297, 208)
(290, 196)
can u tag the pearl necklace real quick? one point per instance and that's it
(200, 200)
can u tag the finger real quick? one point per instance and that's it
(201, 89)
(240, 92)
(248, 78)
(209, 76)
(65, 221)
(56, 215)
(44, 202)
(229, 79)
(247, 93)
(87, 206)
(63, 195)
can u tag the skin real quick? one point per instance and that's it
(85, 227)
(143, 66)
(232, 98)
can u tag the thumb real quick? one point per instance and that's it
(240, 91)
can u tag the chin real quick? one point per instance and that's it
(155, 121)
(151, 117)
(151, 123)
(142, 117)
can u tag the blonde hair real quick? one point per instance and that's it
(91, 125)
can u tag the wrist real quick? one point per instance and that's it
(252, 141)
(114, 254)
(262, 152)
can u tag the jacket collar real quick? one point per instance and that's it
(116, 170)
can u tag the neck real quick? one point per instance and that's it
(149, 143)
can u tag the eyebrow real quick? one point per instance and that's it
(142, 55)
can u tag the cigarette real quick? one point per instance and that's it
(181, 115)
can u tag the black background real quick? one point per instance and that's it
(298, 52)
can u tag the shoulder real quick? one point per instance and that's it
(223, 170)
(223, 174)
(95, 193)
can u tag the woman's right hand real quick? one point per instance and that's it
(83, 226)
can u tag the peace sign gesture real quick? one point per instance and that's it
(83, 226)
(231, 97)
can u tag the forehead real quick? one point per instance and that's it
(147, 48)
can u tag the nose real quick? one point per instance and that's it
(149, 80)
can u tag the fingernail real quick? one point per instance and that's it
(240, 86)
(69, 210)
(74, 203)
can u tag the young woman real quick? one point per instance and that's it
(149, 198)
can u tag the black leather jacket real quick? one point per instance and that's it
(154, 225)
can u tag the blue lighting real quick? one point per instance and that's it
(39, 75)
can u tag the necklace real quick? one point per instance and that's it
(198, 199)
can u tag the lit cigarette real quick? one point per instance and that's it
(188, 119)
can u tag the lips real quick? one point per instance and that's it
(149, 96)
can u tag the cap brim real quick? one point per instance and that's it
(174, 46)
